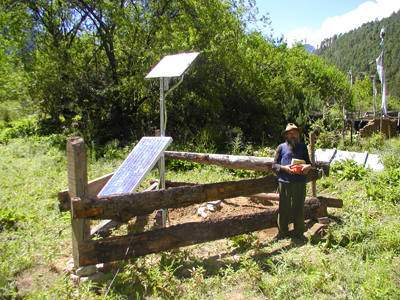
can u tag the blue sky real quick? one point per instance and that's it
(314, 20)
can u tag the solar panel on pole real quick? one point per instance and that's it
(169, 66)
(172, 65)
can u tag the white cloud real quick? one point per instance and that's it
(299, 35)
(366, 12)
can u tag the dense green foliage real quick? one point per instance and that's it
(358, 49)
(82, 64)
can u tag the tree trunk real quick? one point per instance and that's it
(255, 163)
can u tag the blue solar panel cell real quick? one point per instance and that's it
(136, 166)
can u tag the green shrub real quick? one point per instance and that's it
(243, 242)
(384, 186)
(373, 143)
(10, 217)
(348, 170)
(328, 130)
(20, 129)
(391, 159)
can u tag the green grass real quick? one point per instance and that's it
(357, 259)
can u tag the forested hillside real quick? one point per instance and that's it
(356, 50)
(81, 65)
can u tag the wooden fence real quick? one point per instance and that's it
(84, 205)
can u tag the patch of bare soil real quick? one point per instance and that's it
(38, 278)
(228, 208)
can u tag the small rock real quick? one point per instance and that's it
(204, 215)
(210, 207)
(215, 203)
(96, 277)
(74, 278)
(110, 267)
(202, 210)
(86, 270)
(70, 269)
(323, 220)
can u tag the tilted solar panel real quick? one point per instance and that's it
(136, 166)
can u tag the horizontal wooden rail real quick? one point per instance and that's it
(253, 163)
(330, 202)
(122, 208)
(114, 248)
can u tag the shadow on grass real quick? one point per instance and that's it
(218, 264)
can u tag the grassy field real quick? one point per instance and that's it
(358, 258)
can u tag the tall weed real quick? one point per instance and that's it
(347, 170)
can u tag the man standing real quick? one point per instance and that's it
(292, 162)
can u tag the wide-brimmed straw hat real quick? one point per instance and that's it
(289, 127)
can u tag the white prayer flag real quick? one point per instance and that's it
(381, 73)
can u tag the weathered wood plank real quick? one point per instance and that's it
(312, 158)
(93, 188)
(114, 248)
(77, 183)
(122, 208)
(330, 202)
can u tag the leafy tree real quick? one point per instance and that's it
(362, 93)
(15, 44)
(90, 59)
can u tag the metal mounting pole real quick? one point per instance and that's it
(164, 212)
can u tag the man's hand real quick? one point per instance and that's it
(306, 169)
(287, 169)
(297, 169)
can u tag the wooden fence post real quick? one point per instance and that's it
(77, 183)
(312, 150)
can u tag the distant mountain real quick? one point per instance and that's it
(358, 49)
(309, 48)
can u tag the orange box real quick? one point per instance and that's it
(296, 168)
